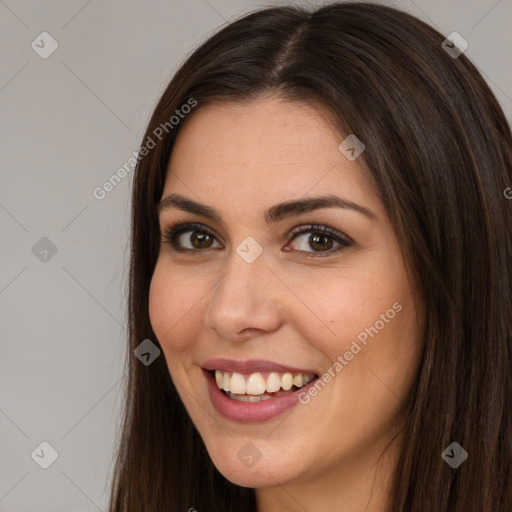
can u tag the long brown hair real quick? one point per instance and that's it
(438, 147)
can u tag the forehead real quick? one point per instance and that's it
(267, 127)
(261, 152)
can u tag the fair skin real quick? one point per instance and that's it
(241, 159)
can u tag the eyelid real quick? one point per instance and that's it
(320, 228)
(172, 232)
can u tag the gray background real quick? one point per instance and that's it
(68, 122)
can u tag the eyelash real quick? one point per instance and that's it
(173, 232)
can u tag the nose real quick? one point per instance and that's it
(245, 303)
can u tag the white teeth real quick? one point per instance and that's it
(226, 381)
(256, 385)
(219, 378)
(307, 379)
(287, 381)
(238, 384)
(298, 380)
(273, 382)
(248, 398)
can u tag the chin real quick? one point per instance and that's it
(258, 476)
(260, 471)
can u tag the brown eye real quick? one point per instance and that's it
(190, 237)
(200, 240)
(320, 240)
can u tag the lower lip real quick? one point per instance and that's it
(251, 411)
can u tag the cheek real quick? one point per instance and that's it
(369, 320)
(341, 306)
(174, 309)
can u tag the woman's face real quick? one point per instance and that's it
(243, 288)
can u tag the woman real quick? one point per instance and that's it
(321, 251)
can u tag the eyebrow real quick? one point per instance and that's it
(273, 214)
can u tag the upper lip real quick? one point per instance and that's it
(251, 366)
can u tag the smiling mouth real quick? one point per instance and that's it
(259, 386)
